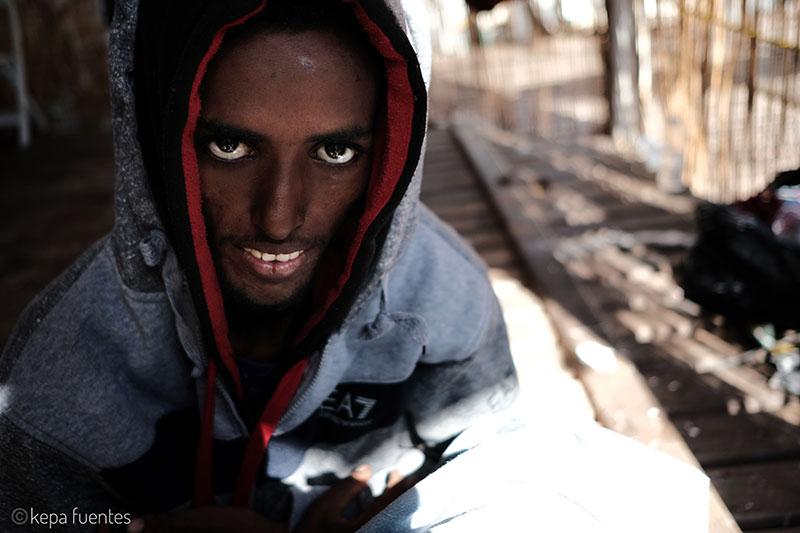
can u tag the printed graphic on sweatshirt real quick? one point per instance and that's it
(353, 409)
(348, 408)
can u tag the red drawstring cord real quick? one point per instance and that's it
(259, 440)
(256, 445)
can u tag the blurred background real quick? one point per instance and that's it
(613, 161)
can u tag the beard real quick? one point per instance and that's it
(235, 298)
(247, 309)
(242, 306)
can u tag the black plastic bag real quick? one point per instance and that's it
(739, 268)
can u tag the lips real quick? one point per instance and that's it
(272, 266)
(268, 257)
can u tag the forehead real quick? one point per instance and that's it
(302, 78)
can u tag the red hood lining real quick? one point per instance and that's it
(386, 172)
(203, 488)
(394, 139)
(191, 171)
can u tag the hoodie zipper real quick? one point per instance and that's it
(232, 407)
(300, 399)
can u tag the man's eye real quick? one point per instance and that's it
(335, 153)
(229, 149)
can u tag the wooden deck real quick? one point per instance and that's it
(600, 242)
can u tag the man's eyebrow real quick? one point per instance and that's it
(221, 129)
(343, 135)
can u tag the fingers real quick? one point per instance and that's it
(393, 478)
(343, 492)
(396, 485)
(362, 473)
(325, 514)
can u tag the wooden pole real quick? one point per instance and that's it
(621, 64)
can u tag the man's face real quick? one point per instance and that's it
(284, 147)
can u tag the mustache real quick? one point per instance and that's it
(217, 236)
(291, 243)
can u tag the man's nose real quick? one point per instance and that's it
(279, 204)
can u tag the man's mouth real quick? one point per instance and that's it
(271, 266)
(268, 257)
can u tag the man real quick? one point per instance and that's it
(273, 309)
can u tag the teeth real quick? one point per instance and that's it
(288, 257)
(282, 258)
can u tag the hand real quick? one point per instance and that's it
(207, 520)
(325, 514)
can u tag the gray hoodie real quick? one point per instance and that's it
(118, 390)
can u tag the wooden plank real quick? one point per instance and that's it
(510, 272)
(679, 389)
(462, 207)
(456, 210)
(645, 329)
(488, 238)
(437, 189)
(547, 182)
(471, 194)
(489, 166)
(445, 157)
(660, 222)
(721, 439)
(762, 495)
(758, 396)
(543, 268)
(451, 179)
(500, 258)
(479, 223)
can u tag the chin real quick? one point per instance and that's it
(274, 304)
(256, 302)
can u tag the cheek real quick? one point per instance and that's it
(331, 201)
(222, 201)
